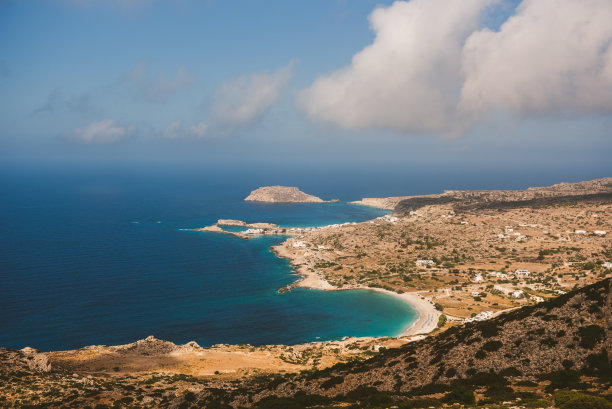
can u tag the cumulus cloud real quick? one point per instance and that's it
(241, 101)
(158, 88)
(552, 56)
(105, 131)
(433, 68)
(199, 130)
(409, 78)
(176, 130)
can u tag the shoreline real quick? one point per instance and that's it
(427, 315)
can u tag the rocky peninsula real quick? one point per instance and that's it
(283, 194)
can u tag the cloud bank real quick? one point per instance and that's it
(105, 131)
(238, 103)
(241, 101)
(431, 68)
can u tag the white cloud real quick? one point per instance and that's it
(173, 130)
(432, 68)
(409, 78)
(552, 56)
(176, 130)
(240, 102)
(105, 131)
(199, 130)
(158, 88)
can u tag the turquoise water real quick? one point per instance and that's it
(98, 258)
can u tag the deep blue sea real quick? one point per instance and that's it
(97, 257)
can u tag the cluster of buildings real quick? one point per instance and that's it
(485, 315)
(252, 232)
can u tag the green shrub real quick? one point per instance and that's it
(460, 395)
(420, 403)
(331, 382)
(591, 335)
(492, 345)
(577, 400)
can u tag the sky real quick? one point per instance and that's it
(434, 84)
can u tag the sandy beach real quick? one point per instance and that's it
(428, 316)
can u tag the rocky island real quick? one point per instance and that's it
(283, 194)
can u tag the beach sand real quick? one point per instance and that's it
(428, 316)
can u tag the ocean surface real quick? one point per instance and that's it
(97, 257)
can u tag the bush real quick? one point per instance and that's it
(331, 382)
(576, 400)
(590, 335)
(562, 379)
(420, 403)
(460, 395)
(492, 345)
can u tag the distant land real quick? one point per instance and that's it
(283, 194)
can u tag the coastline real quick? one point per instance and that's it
(427, 315)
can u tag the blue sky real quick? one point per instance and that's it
(434, 83)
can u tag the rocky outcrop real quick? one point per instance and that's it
(28, 360)
(281, 194)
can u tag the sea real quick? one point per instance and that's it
(94, 255)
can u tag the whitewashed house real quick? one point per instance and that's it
(579, 231)
(522, 273)
(600, 232)
(607, 264)
(477, 278)
(423, 263)
(299, 245)
(517, 294)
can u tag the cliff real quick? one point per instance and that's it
(281, 194)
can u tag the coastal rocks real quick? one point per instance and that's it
(230, 222)
(27, 360)
(281, 194)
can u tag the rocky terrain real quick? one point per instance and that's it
(281, 194)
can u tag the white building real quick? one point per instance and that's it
(425, 263)
(253, 231)
(517, 294)
(299, 245)
(536, 298)
(480, 317)
(475, 294)
(477, 278)
(578, 231)
(522, 273)
(607, 264)
(600, 232)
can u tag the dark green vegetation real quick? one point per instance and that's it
(551, 354)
